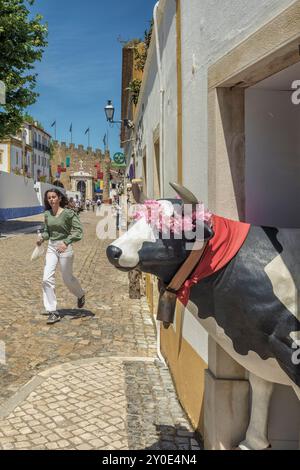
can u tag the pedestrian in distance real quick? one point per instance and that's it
(71, 204)
(117, 211)
(77, 205)
(62, 229)
(98, 202)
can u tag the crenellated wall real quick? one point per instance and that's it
(81, 159)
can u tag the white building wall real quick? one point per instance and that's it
(16, 157)
(149, 122)
(18, 197)
(41, 157)
(209, 30)
(272, 158)
(4, 166)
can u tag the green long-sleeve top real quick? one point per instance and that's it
(66, 227)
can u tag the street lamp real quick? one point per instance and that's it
(109, 113)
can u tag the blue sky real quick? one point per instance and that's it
(81, 67)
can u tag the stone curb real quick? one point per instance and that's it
(30, 386)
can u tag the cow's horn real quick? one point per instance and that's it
(184, 193)
(138, 195)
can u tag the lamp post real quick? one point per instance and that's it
(109, 113)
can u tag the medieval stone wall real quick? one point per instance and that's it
(81, 159)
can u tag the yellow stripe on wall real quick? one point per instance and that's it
(179, 92)
(8, 158)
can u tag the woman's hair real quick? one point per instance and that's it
(63, 202)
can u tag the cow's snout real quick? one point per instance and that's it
(113, 254)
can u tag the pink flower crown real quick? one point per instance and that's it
(154, 213)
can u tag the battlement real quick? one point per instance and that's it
(98, 153)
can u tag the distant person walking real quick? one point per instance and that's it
(98, 202)
(77, 205)
(71, 204)
(62, 228)
(117, 211)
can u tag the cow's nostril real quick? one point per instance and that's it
(113, 253)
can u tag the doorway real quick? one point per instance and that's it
(81, 186)
(272, 170)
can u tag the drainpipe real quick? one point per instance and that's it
(162, 96)
(161, 145)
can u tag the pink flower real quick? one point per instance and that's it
(154, 214)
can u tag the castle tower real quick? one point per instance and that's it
(78, 169)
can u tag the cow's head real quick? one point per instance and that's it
(154, 248)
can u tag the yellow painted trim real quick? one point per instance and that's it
(8, 158)
(149, 287)
(179, 92)
(187, 369)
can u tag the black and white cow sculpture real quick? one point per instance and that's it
(249, 307)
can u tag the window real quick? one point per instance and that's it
(17, 158)
(39, 161)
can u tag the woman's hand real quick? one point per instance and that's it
(40, 242)
(62, 248)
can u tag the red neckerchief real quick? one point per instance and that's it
(226, 242)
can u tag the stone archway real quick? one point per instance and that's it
(81, 186)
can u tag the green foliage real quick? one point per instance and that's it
(22, 40)
(140, 54)
(28, 118)
(52, 149)
(134, 88)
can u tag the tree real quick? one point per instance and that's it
(22, 40)
(28, 118)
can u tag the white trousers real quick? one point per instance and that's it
(65, 263)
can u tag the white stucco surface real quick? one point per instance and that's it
(4, 166)
(17, 191)
(272, 158)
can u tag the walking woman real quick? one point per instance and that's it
(62, 228)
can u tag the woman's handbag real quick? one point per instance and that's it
(39, 250)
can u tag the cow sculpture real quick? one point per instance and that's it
(249, 306)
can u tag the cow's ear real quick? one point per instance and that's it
(186, 195)
(138, 195)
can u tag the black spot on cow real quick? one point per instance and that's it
(241, 299)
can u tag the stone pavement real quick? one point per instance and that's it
(91, 381)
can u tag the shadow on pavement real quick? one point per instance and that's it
(75, 313)
(9, 227)
(174, 438)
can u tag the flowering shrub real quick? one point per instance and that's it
(181, 218)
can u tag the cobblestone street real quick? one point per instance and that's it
(91, 381)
